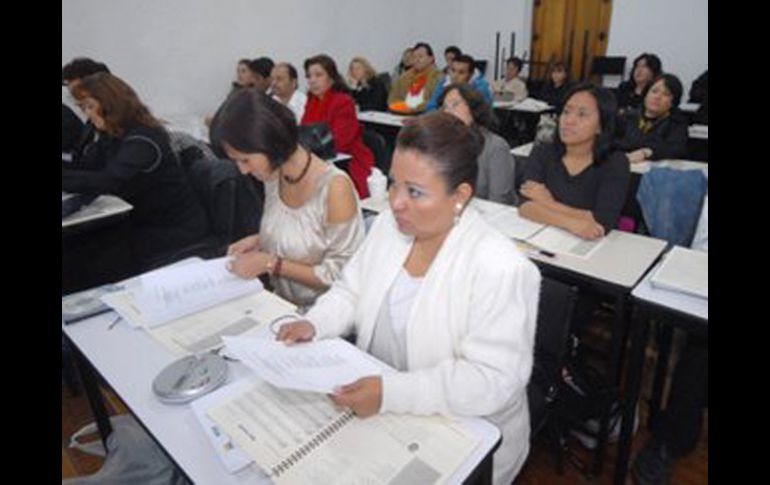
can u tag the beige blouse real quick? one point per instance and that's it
(303, 235)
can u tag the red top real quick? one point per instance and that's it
(338, 111)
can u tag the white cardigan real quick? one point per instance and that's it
(470, 334)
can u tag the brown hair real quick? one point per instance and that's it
(328, 65)
(119, 105)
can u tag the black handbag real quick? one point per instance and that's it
(317, 137)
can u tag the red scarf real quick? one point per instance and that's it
(418, 84)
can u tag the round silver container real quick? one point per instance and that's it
(189, 378)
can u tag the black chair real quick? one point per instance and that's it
(232, 203)
(555, 310)
(386, 80)
(379, 147)
(608, 65)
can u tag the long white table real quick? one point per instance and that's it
(129, 359)
(382, 118)
(103, 207)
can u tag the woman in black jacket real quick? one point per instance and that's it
(556, 87)
(367, 89)
(139, 167)
(657, 131)
(631, 93)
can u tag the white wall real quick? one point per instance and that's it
(482, 19)
(676, 30)
(180, 55)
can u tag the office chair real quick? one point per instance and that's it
(379, 147)
(554, 316)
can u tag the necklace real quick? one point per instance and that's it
(290, 180)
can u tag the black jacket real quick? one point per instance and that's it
(372, 97)
(667, 138)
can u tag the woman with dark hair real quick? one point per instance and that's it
(658, 130)
(438, 294)
(328, 101)
(140, 167)
(311, 223)
(631, 93)
(578, 183)
(495, 180)
(556, 86)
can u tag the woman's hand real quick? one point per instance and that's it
(363, 396)
(535, 191)
(586, 229)
(248, 243)
(297, 331)
(638, 156)
(249, 265)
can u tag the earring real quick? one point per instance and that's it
(458, 211)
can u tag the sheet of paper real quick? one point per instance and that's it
(684, 270)
(203, 331)
(176, 291)
(559, 241)
(506, 219)
(318, 366)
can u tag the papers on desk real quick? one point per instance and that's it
(173, 292)
(302, 437)
(85, 304)
(700, 132)
(382, 117)
(684, 270)
(531, 105)
(318, 366)
(506, 219)
(559, 241)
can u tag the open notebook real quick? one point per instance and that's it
(684, 270)
(302, 437)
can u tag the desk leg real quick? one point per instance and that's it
(619, 331)
(95, 398)
(641, 327)
(664, 356)
(482, 475)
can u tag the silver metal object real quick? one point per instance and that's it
(189, 378)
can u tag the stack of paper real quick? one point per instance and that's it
(684, 270)
(559, 241)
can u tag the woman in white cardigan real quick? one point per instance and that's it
(439, 295)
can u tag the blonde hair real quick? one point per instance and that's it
(369, 71)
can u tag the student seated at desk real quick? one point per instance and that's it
(366, 88)
(658, 130)
(511, 88)
(311, 223)
(699, 93)
(578, 183)
(328, 101)
(631, 92)
(139, 167)
(286, 91)
(438, 294)
(412, 90)
(81, 140)
(463, 72)
(556, 87)
(495, 179)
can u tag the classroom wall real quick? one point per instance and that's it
(482, 19)
(180, 55)
(677, 31)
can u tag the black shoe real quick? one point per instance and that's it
(652, 465)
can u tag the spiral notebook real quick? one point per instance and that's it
(302, 437)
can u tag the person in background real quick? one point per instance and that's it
(495, 179)
(261, 70)
(578, 183)
(328, 102)
(658, 130)
(81, 141)
(556, 87)
(512, 86)
(285, 89)
(140, 167)
(243, 75)
(463, 72)
(439, 295)
(450, 54)
(405, 64)
(366, 88)
(413, 89)
(312, 223)
(630, 93)
(699, 93)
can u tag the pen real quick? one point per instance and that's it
(114, 322)
(541, 252)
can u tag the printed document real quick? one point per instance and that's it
(684, 270)
(559, 241)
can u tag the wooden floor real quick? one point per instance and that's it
(539, 468)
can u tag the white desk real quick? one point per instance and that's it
(526, 105)
(192, 124)
(523, 151)
(689, 107)
(695, 313)
(105, 206)
(129, 360)
(339, 158)
(382, 118)
(699, 132)
(644, 167)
